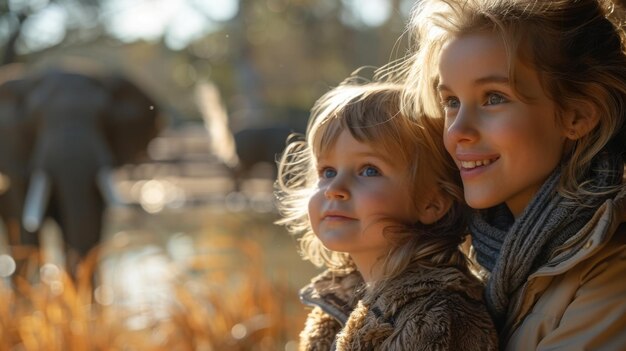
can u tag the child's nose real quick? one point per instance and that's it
(337, 190)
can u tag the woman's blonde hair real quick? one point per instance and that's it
(576, 46)
(371, 114)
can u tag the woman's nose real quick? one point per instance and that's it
(462, 128)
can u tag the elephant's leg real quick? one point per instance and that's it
(11, 207)
(12, 229)
(26, 238)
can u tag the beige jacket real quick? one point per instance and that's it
(577, 303)
(423, 309)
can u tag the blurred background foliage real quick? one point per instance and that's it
(270, 59)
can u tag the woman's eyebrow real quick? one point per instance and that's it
(492, 79)
(480, 81)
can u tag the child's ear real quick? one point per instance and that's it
(580, 120)
(434, 206)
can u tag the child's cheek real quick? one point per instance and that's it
(315, 210)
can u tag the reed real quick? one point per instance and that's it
(213, 302)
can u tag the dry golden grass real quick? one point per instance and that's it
(215, 302)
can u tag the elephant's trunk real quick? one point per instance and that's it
(106, 184)
(37, 198)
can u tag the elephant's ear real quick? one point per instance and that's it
(15, 122)
(11, 97)
(13, 93)
(13, 85)
(131, 121)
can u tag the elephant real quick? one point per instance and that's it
(258, 144)
(61, 135)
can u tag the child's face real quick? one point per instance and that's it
(504, 147)
(360, 192)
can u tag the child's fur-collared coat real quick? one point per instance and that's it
(422, 309)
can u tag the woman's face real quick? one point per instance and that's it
(505, 148)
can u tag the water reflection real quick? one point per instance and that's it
(204, 278)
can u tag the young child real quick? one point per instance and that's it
(379, 204)
(533, 94)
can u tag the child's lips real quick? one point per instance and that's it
(336, 216)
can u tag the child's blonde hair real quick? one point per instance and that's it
(576, 47)
(371, 113)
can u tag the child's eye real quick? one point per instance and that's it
(327, 172)
(369, 171)
(495, 99)
(450, 102)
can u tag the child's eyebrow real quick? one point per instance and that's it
(384, 157)
(379, 155)
(481, 81)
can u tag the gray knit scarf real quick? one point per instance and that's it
(511, 249)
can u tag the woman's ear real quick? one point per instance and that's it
(434, 206)
(580, 120)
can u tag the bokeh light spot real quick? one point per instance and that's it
(7, 265)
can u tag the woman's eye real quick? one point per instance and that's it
(450, 102)
(370, 171)
(327, 173)
(495, 99)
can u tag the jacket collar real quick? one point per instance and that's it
(591, 238)
(335, 292)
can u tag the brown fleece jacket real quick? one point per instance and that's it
(422, 309)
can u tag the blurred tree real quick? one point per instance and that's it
(79, 20)
(283, 54)
(12, 23)
(247, 77)
(270, 58)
